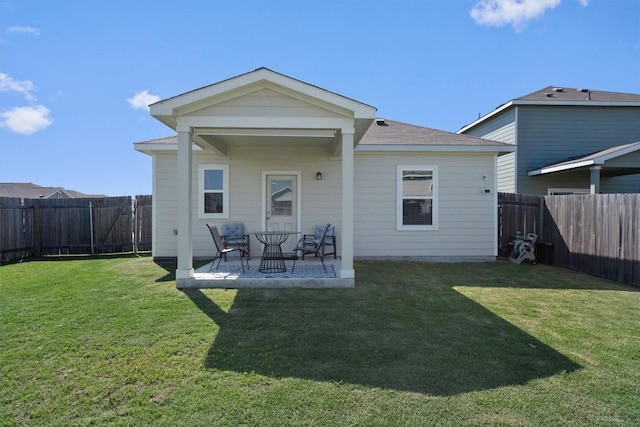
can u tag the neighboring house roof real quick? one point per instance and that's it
(385, 135)
(399, 136)
(554, 95)
(29, 190)
(563, 96)
(593, 159)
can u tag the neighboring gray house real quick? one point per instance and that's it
(28, 190)
(567, 141)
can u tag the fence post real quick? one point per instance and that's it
(134, 203)
(541, 218)
(91, 225)
(37, 230)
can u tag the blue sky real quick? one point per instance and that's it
(75, 75)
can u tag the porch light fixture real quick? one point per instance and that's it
(319, 176)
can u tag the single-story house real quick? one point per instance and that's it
(274, 152)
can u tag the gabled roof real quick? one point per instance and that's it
(390, 135)
(169, 109)
(28, 190)
(593, 159)
(564, 96)
(261, 73)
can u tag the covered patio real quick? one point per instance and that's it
(258, 130)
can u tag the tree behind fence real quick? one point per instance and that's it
(38, 227)
(597, 234)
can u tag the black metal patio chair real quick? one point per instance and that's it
(317, 250)
(223, 250)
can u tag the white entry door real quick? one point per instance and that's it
(282, 206)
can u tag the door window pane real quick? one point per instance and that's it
(282, 197)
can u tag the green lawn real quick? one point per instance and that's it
(110, 341)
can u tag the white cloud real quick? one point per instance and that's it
(141, 100)
(26, 120)
(496, 13)
(25, 30)
(24, 87)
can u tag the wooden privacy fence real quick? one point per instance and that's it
(39, 227)
(142, 223)
(597, 234)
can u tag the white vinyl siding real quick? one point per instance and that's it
(467, 216)
(165, 209)
(264, 103)
(321, 200)
(466, 224)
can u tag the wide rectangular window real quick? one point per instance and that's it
(417, 207)
(213, 191)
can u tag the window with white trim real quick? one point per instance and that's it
(565, 191)
(213, 191)
(417, 198)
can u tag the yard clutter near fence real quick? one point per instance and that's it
(40, 227)
(593, 233)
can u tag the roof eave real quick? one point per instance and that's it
(167, 110)
(560, 168)
(495, 112)
(151, 148)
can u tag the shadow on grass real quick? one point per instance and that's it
(410, 336)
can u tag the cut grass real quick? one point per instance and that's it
(111, 341)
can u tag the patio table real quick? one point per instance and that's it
(272, 260)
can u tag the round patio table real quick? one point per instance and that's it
(272, 260)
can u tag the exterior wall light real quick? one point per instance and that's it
(319, 176)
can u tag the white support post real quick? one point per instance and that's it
(184, 171)
(594, 187)
(347, 271)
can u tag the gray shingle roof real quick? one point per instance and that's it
(558, 93)
(390, 132)
(166, 140)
